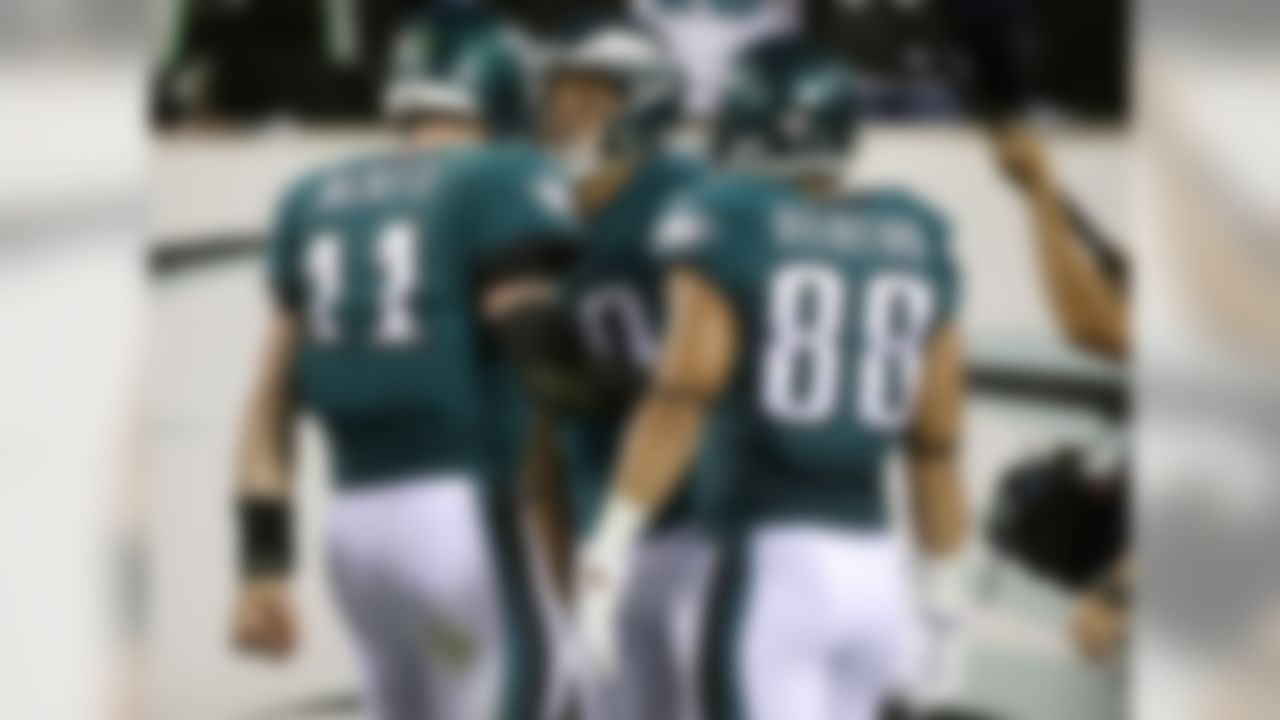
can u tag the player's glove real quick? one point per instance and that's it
(945, 613)
(603, 570)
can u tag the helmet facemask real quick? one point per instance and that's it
(623, 78)
(461, 65)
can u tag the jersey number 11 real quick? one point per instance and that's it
(395, 256)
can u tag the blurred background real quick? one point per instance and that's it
(72, 304)
(247, 62)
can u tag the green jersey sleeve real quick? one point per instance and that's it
(702, 228)
(943, 265)
(284, 272)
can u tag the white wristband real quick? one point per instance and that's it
(620, 527)
(942, 579)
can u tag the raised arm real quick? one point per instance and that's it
(1089, 306)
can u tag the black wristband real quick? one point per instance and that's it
(266, 537)
(558, 370)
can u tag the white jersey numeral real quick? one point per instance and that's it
(892, 349)
(611, 309)
(807, 331)
(396, 258)
(800, 341)
(324, 273)
(397, 255)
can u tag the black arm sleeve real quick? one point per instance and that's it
(557, 368)
(544, 343)
(544, 257)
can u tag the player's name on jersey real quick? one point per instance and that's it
(377, 184)
(849, 232)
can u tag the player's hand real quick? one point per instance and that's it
(1098, 627)
(265, 621)
(1022, 155)
(597, 609)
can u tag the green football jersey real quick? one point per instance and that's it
(836, 302)
(615, 294)
(380, 256)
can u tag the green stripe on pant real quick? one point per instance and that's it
(726, 602)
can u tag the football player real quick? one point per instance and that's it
(396, 278)
(706, 35)
(609, 96)
(810, 333)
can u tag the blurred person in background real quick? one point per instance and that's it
(812, 333)
(1091, 307)
(706, 35)
(1083, 549)
(610, 94)
(396, 279)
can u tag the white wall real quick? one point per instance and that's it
(210, 184)
(71, 304)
